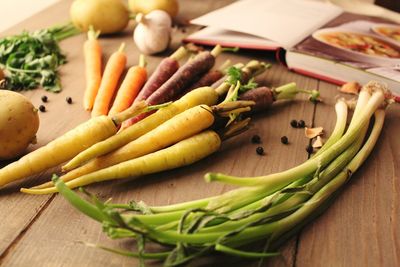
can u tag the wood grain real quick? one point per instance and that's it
(359, 229)
(362, 225)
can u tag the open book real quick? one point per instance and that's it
(313, 38)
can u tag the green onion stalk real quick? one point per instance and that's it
(271, 207)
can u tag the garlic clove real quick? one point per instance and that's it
(313, 132)
(153, 32)
(318, 142)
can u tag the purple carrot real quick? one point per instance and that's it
(206, 80)
(174, 86)
(182, 78)
(167, 67)
(262, 96)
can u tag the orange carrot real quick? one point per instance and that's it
(92, 54)
(112, 72)
(130, 87)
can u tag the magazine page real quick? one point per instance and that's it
(368, 43)
(284, 22)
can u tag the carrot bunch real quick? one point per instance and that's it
(170, 133)
(182, 140)
(177, 135)
(102, 88)
(102, 97)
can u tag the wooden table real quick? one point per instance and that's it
(361, 228)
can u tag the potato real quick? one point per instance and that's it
(146, 6)
(108, 16)
(19, 122)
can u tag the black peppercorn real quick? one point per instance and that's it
(44, 99)
(69, 100)
(284, 140)
(42, 108)
(301, 124)
(256, 139)
(260, 150)
(294, 124)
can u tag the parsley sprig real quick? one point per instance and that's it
(32, 59)
(234, 78)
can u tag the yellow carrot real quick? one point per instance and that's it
(204, 95)
(183, 125)
(92, 55)
(59, 150)
(112, 73)
(130, 87)
(181, 154)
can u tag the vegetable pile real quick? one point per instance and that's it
(32, 59)
(184, 114)
(271, 207)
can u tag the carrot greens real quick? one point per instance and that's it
(270, 207)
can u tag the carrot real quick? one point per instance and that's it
(262, 96)
(92, 54)
(167, 67)
(130, 87)
(206, 80)
(204, 95)
(184, 153)
(209, 78)
(182, 78)
(112, 73)
(59, 150)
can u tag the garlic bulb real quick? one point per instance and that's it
(153, 32)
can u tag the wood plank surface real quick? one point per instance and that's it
(361, 228)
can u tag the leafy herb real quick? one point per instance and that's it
(234, 75)
(31, 59)
(246, 87)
